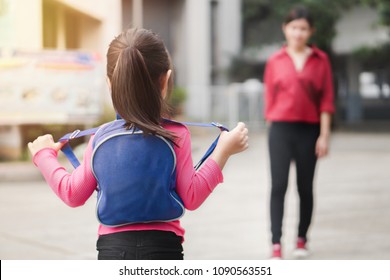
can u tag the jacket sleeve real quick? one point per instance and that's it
(73, 188)
(194, 186)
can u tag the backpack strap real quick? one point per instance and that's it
(67, 149)
(78, 133)
(213, 145)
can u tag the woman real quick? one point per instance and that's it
(299, 103)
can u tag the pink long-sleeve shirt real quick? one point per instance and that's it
(77, 187)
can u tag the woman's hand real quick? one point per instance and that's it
(230, 143)
(322, 146)
(42, 142)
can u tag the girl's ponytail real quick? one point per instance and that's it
(141, 61)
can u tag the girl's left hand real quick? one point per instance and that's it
(42, 142)
(322, 146)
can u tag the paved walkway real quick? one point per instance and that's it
(351, 217)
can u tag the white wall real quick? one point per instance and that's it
(104, 24)
(358, 27)
(197, 38)
(90, 31)
(112, 23)
(229, 30)
(101, 25)
(179, 45)
(21, 24)
(93, 8)
(197, 22)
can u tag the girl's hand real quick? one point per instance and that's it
(230, 143)
(322, 146)
(42, 142)
(234, 141)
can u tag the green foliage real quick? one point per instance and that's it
(383, 7)
(262, 21)
(107, 115)
(179, 95)
(373, 57)
(376, 57)
(177, 98)
(325, 13)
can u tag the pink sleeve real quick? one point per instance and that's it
(72, 188)
(194, 186)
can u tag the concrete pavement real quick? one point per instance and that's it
(351, 219)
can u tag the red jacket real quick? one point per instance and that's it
(298, 96)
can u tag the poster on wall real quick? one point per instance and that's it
(50, 86)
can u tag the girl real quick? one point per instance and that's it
(299, 104)
(140, 76)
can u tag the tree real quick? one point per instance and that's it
(376, 57)
(325, 12)
(383, 7)
(262, 20)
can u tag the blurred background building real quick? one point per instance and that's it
(355, 34)
(200, 35)
(52, 57)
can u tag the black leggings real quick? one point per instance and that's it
(140, 245)
(292, 141)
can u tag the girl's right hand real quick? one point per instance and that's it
(42, 142)
(230, 143)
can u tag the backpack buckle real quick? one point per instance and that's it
(220, 126)
(74, 134)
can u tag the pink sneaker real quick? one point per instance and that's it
(276, 252)
(301, 250)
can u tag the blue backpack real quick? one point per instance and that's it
(136, 173)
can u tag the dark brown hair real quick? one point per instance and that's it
(299, 12)
(137, 61)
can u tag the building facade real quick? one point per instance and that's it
(201, 35)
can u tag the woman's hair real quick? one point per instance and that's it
(137, 62)
(299, 12)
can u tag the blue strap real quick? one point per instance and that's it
(67, 149)
(77, 134)
(207, 154)
(213, 124)
(213, 145)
